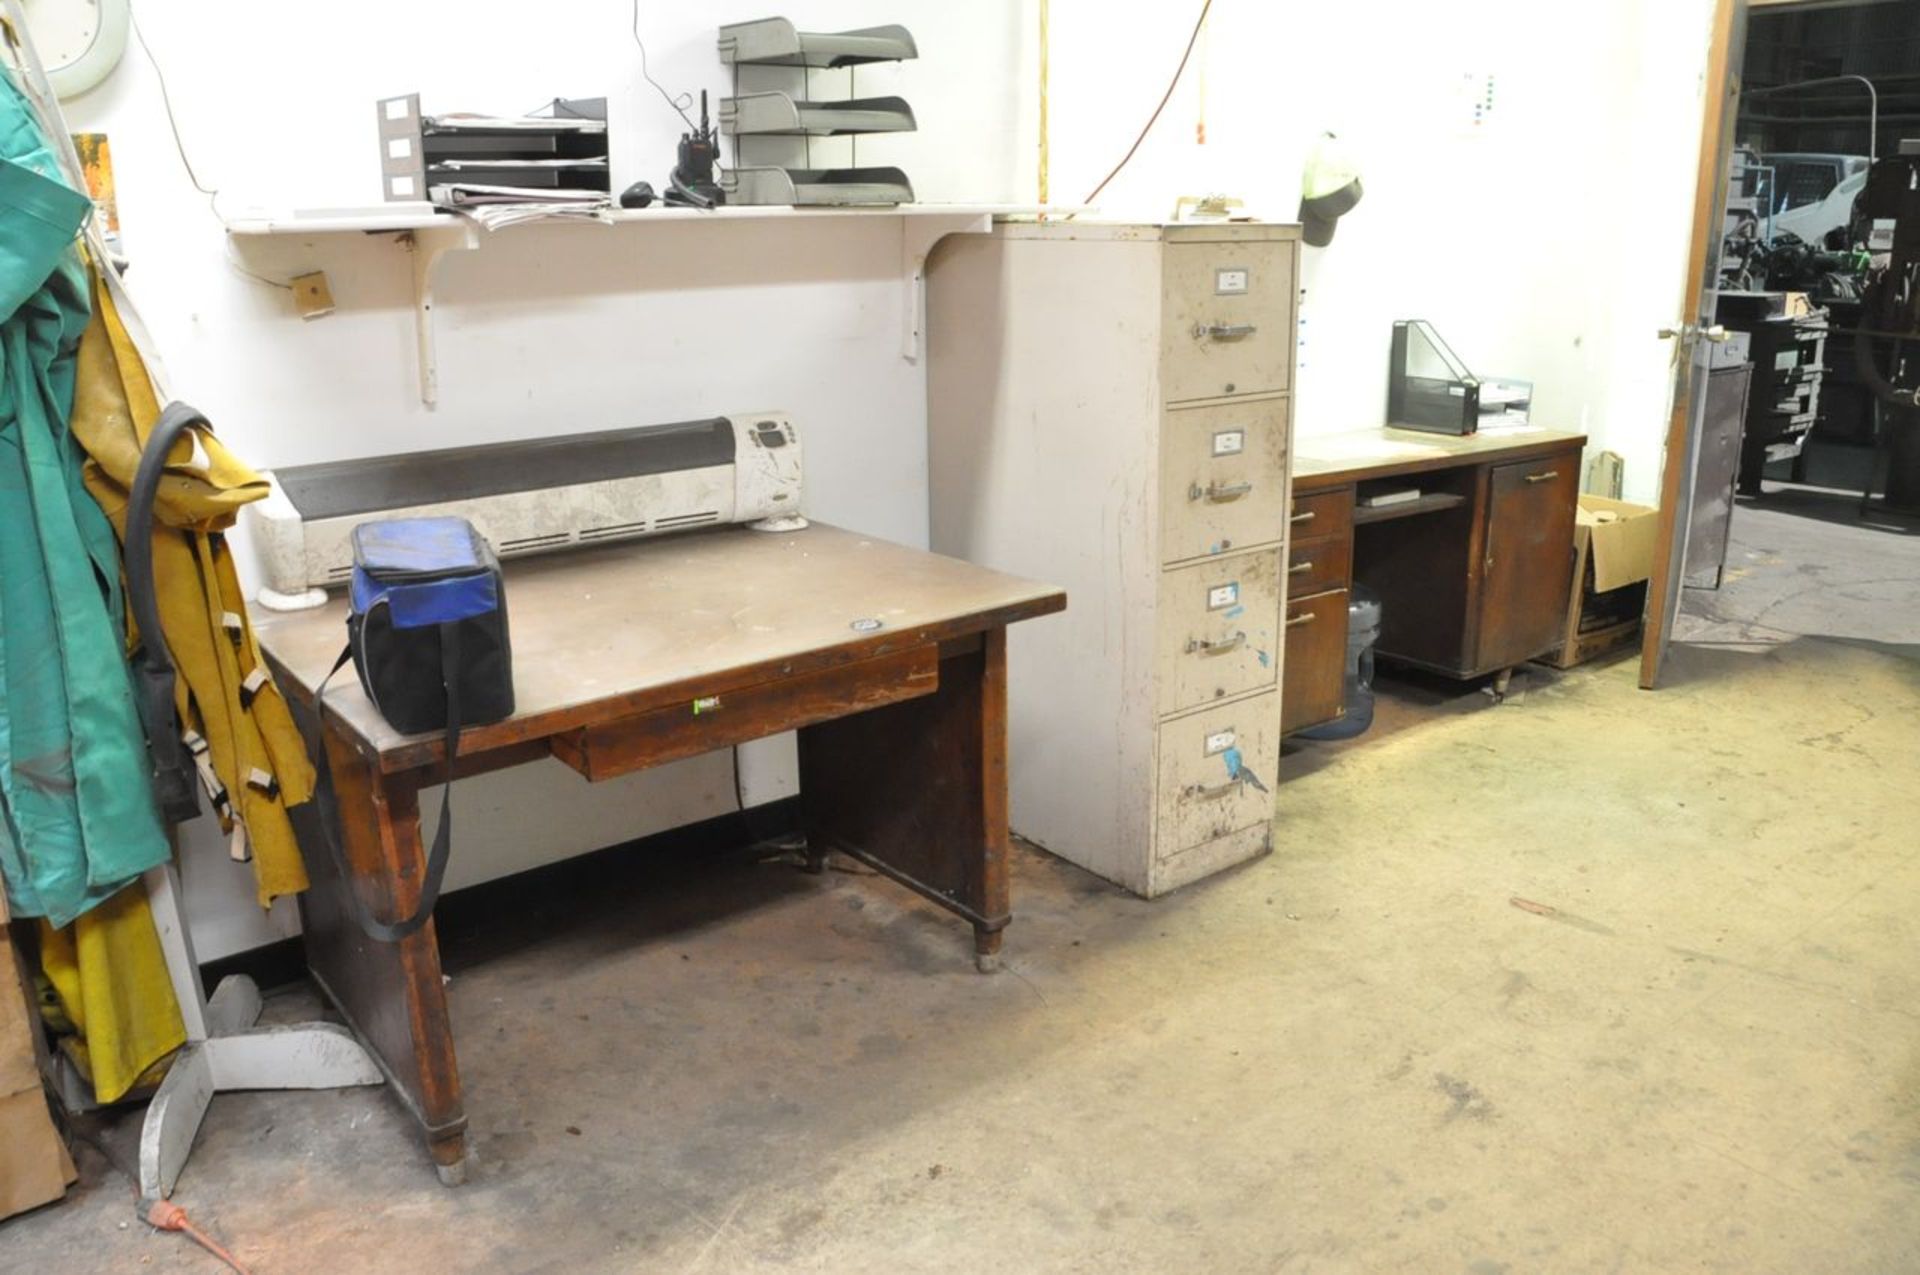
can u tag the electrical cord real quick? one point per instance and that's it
(180, 148)
(162, 1215)
(679, 104)
(1166, 97)
(165, 1215)
(166, 100)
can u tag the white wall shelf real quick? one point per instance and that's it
(431, 234)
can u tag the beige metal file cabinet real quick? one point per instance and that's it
(1110, 409)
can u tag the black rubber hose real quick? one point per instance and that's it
(153, 669)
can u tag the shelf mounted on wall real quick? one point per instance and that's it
(430, 235)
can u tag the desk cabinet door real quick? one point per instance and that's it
(1528, 565)
(1314, 676)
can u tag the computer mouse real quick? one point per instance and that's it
(638, 195)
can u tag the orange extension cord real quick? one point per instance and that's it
(165, 1215)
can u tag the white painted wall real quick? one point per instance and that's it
(549, 329)
(1547, 242)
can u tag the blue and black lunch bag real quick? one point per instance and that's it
(427, 632)
(428, 624)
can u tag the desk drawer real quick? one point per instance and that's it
(1223, 477)
(720, 721)
(1202, 797)
(1314, 566)
(1321, 513)
(1227, 319)
(1218, 629)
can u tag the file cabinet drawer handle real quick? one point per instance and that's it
(1307, 617)
(1308, 516)
(1223, 331)
(1201, 792)
(1298, 567)
(1201, 646)
(1541, 478)
(1244, 779)
(1217, 493)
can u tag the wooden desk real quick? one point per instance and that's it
(1473, 576)
(628, 656)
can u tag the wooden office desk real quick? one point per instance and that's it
(628, 656)
(1473, 576)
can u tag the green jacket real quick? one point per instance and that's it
(77, 816)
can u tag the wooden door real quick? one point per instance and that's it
(1699, 295)
(1528, 566)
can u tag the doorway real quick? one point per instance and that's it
(1803, 514)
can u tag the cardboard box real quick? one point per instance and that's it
(34, 1165)
(1613, 544)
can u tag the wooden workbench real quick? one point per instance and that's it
(890, 662)
(1472, 577)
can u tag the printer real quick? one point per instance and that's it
(532, 495)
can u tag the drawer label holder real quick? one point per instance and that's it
(1231, 281)
(1222, 596)
(1229, 442)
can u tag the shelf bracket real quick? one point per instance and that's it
(918, 235)
(428, 245)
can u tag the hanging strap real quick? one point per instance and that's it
(328, 801)
(152, 663)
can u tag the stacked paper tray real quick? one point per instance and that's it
(816, 186)
(775, 42)
(777, 113)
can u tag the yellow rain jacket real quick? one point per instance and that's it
(255, 762)
(107, 968)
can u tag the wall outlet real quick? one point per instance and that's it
(312, 295)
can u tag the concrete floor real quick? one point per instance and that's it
(1695, 1048)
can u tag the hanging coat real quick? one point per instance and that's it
(253, 760)
(77, 816)
(80, 820)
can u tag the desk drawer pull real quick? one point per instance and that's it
(1295, 621)
(1298, 567)
(1308, 516)
(1223, 331)
(1541, 478)
(1217, 493)
(1200, 646)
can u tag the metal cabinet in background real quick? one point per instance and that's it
(1728, 382)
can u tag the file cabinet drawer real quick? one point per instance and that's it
(1321, 513)
(1223, 477)
(1314, 566)
(1227, 319)
(1217, 771)
(1217, 629)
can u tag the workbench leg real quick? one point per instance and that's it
(918, 789)
(391, 994)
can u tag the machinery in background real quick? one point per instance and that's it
(1884, 355)
(1787, 338)
(1430, 389)
(533, 495)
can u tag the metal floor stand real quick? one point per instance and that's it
(225, 1051)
